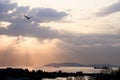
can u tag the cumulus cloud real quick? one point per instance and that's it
(29, 30)
(22, 27)
(39, 14)
(48, 14)
(86, 48)
(110, 9)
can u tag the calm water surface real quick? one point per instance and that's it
(67, 69)
(73, 78)
(71, 69)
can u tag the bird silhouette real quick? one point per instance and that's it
(27, 17)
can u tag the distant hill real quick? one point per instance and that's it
(65, 65)
(109, 65)
(68, 64)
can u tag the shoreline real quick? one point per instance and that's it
(40, 74)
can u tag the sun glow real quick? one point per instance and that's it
(58, 31)
(31, 50)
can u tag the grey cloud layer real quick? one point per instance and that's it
(21, 26)
(92, 48)
(29, 30)
(110, 9)
(75, 48)
(39, 14)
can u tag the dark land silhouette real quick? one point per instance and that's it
(25, 74)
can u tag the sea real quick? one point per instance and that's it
(71, 69)
(67, 69)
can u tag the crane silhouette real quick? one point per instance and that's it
(27, 17)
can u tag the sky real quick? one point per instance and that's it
(80, 31)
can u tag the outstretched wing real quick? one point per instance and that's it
(27, 17)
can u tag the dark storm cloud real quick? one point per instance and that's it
(110, 9)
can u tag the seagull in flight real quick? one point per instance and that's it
(27, 17)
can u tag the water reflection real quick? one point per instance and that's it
(71, 69)
(70, 78)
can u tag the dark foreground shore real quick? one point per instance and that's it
(25, 74)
